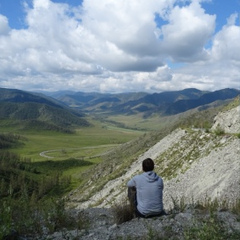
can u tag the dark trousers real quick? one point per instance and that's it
(132, 196)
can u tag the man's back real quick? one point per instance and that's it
(149, 187)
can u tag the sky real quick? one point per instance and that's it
(115, 46)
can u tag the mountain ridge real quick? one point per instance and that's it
(38, 110)
(165, 103)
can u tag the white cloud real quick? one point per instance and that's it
(187, 32)
(117, 46)
(4, 27)
(226, 43)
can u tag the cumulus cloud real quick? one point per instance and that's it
(118, 46)
(187, 32)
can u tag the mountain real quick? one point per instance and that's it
(184, 105)
(165, 103)
(95, 102)
(171, 97)
(19, 96)
(156, 102)
(34, 111)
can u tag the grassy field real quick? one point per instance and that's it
(84, 142)
(153, 123)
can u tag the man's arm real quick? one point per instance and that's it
(131, 183)
(132, 192)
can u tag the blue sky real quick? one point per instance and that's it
(223, 9)
(119, 46)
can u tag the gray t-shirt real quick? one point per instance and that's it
(149, 192)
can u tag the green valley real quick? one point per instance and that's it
(49, 150)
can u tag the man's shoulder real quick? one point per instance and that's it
(138, 176)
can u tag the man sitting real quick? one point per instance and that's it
(145, 191)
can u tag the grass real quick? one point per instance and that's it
(86, 144)
(154, 122)
(96, 135)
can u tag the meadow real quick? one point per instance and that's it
(50, 151)
(35, 142)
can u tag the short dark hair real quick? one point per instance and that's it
(147, 165)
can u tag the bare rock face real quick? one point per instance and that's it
(228, 121)
(215, 176)
(215, 173)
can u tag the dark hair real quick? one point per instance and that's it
(147, 165)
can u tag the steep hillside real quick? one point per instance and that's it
(19, 96)
(194, 164)
(32, 111)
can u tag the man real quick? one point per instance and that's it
(149, 191)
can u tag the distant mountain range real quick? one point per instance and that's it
(165, 103)
(61, 111)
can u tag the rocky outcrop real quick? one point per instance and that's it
(181, 226)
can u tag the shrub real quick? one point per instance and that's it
(219, 131)
(123, 212)
(27, 217)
